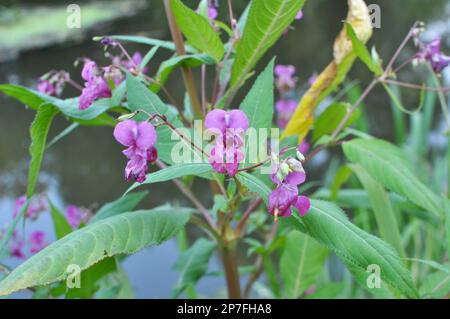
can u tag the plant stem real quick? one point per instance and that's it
(231, 271)
(187, 72)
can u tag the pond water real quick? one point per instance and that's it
(86, 168)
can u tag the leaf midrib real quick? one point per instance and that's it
(260, 44)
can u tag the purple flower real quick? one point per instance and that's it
(35, 207)
(212, 13)
(37, 241)
(16, 246)
(303, 147)
(136, 61)
(76, 215)
(313, 78)
(431, 52)
(299, 15)
(95, 86)
(285, 109)
(285, 77)
(140, 139)
(229, 128)
(108, 41)
(288, 175)
(44, 86)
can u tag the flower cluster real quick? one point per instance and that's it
(229, 128)
(36, 240)
(287, 175)
(431, 53)
(95, 85)
(285, 82)
(140, 138)
(53, 83)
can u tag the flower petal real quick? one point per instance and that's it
(216, 120)
(303, 204)
(125, 132)
(146, 135)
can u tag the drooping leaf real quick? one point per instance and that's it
(193, 264)
(301, 262)
(266, 22)
(390, 167)
(382, 207)
(38, 132)
(122, 234)
(334, 73)
(173, 172)
(124, 204)
(60, 224)
(357, 249)
(68, 107)
(198, 31)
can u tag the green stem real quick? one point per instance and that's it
(187, 72)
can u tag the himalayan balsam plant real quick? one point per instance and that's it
(380, 214)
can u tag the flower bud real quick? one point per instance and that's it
(126, 116)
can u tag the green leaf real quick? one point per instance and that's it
(148, 57)
(436, 285)
(38, 132)
(390, 166)
(361, 51)
(60, 224)
(122, 234)
(357, 249)
(68, 107)
(258, 104)
(266, 22)
(329, 119)
(301, 262)
(89, 279)
(193, 264)
(172, 172)
(152, 42)
(382, 207)
(167, 67)
(255, 185)
(124, 204)
(198, 31)
(141, 98)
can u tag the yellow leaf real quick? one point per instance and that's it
(333, 75)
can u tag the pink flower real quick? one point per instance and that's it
(140, 139)
(95, 86)
(16, 246)
(137, 60)
(284, 109)
(229, 128)
(76, 215)
(431, 52)
(299, 15)
(288, 175)
(44, 86)
(285, 79)
(303, 147)
(35, 207)
(37, 241)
